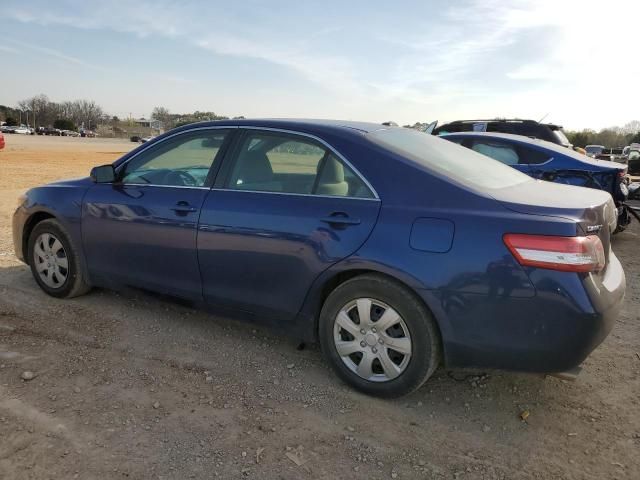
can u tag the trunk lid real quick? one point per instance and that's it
(593, 210)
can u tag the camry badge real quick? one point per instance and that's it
(593, 228)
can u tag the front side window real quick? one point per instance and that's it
(283, 163)
(183, 161)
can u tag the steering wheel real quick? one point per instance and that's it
(180, 177)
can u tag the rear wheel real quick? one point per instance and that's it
(54, 262)
(378, 337)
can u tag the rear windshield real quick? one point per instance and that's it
(446, 158)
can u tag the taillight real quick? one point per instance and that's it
(567, 254)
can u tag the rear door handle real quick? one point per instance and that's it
(184, 207)
(340, 219)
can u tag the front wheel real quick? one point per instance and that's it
(55, 264)
(378, 337)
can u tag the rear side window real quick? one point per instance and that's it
(561, 137)
(503, 152)
(283, 163)
(438, 155)
(509, 153)
(532, 156)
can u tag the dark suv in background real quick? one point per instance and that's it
(529, 128)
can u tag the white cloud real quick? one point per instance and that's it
(58, 55)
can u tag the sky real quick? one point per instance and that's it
(575, 63)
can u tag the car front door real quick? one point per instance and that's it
(141, 230)
(284, 209)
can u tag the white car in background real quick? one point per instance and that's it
(23, 129)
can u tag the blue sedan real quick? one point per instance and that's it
(396, 250)
(549, 161)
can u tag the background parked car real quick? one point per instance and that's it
(528, 128)
(22, 129)
(56, 132)
(1, 141)
(611, 155)
(594, 150)
(633, 165)
(548, 161)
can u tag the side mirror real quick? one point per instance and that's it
(103, 174)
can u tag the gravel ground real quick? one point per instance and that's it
(128, 385)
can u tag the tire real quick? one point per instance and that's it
(66, 279)
(388, 298)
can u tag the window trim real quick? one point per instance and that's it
(210, 176)
(233, 158)
(228, 158)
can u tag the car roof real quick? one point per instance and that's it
(505, 136)
(553, 126)
(317, 125)
(536, 142)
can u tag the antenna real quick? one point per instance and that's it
(545, 116)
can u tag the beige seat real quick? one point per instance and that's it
(254, 172)
(331, 181)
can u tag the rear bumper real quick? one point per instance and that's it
(553, 331)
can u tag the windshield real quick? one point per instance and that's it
(446, 158)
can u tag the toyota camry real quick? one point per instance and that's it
(398, 251)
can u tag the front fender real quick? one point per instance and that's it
(61, 201)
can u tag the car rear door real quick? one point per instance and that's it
(141, 230)
(284, 209)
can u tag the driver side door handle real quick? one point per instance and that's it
(184, 207)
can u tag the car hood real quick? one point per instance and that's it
(71, 182)
(592, 209)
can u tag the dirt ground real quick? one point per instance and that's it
(132, 386)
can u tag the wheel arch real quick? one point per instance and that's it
(335, 277)
(31, 222)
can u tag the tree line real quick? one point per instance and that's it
(172, 120)
(40, 111)
(612, 137)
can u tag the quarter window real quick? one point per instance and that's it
(183, 161)
(269, 162)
